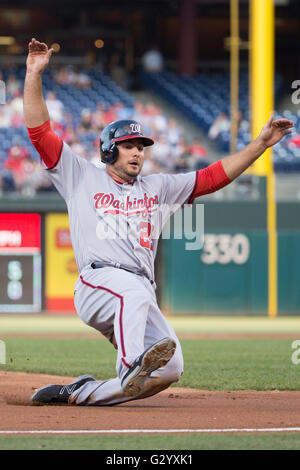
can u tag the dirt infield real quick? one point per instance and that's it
(175, 408)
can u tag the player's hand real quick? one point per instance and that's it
(38, 56)
(274, 131)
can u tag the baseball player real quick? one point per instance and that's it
(113, 215)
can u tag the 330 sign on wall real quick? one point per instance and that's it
(225, 248)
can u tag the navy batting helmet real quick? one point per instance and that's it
(118, 131)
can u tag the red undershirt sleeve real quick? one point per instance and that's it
(209, 180)
(47, 143)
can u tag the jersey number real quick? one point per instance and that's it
(145, 236)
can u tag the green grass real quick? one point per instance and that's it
(211, 364)
(231, 364)
(157, 442)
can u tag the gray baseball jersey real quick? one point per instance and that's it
(114, 223)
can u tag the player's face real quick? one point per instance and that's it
(131, 158)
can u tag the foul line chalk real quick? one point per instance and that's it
(151, 431)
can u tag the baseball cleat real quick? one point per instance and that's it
(59, 393)
(154, 357)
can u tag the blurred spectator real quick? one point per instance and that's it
(85, 124)
(147, 115)
(220, 124)
(122, 112)
(80, 79)
(20, 170)
(19, 164)
(68, 135)
(16, 107)
(162, 153)
(13, 86)
(16, 103)
(137, 109)
(153, 60)
(149, 166)
(15, 154)
(78, 148)
(71, 76)
(174, 132)
(97, 118)
(55, 107)
(243, 123)
(83, 81)
(294, 141)
(197, 150)
(5, 116)
(35, 179)
(7, 182)
(62, 77)
(2, 90)
(183, 160)
(28, 168)
(109, 116)
(198, 154)
(67, 119)
(158, 121)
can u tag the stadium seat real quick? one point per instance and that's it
(203, 98)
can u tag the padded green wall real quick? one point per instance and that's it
(191, 286)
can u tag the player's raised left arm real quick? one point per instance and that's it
(234, 165)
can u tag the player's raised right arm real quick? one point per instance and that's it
(35, 109)
(36, 115)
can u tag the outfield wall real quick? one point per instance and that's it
(228, 276)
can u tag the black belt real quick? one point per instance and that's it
(118, 266)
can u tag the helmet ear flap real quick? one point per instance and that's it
(113, 153)
(109, 155)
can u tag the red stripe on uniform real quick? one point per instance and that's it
(120, 297)
(125, 363)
